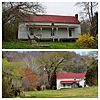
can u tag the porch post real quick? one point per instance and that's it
(41, 31)
(52, 31)
(52, 34)
(68, 31)
(57, 33)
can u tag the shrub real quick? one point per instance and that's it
(87, 41)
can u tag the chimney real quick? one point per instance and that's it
(76, 15)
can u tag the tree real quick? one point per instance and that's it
(77, 64)
(94, 25)
(88, 11)
(51, 62)
(13, 12)
(92, 71)
(11, 78)
(29, 79)
(92, 76)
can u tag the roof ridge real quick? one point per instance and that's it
(70, 72)
(52, 15)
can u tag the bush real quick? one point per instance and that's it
(87, 41)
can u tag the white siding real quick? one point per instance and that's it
(46, 33)
(82, 83)
(77, 32)
(62, 33)
(23, 31)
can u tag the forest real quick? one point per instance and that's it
(36, 70)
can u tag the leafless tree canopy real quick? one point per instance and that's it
(11, 10)
(89, 8)
(89, 17)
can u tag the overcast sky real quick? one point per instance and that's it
(61, 8)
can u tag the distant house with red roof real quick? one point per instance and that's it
(70, 80)
(50, 27)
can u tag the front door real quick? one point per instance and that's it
(71, 32)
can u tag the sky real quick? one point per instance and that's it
(82, 52)
(61, 8)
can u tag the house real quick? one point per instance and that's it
(50, 27)
(70, 80)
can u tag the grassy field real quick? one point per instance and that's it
(89, 92)
(51, 45)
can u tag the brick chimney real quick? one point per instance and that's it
(76, 15)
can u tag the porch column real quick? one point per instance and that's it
(41, 31)
(68, 31)
(52, 31)
(52, 34)
(57, 33)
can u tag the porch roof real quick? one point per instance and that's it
(69, 81)
(49, 26)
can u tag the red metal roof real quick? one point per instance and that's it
(70, 75)
(70, 81)
(53, 19)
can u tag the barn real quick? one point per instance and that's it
(70, 80)
(49, 27)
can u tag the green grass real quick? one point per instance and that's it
(88, 92)
(52, 45)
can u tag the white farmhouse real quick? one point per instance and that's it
(49, 27)
(70, 80)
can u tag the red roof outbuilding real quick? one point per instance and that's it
(53, 19)
(70, 75)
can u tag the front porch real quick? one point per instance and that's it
(53, 33)
(69, 84)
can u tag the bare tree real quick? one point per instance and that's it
(13, 12)
(50, 63)
(89, 9)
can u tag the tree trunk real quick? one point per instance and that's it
(91, 10)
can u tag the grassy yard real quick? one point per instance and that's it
(51, 45)
(89, 92)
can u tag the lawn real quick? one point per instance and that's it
(51, 45)
(88, 92)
